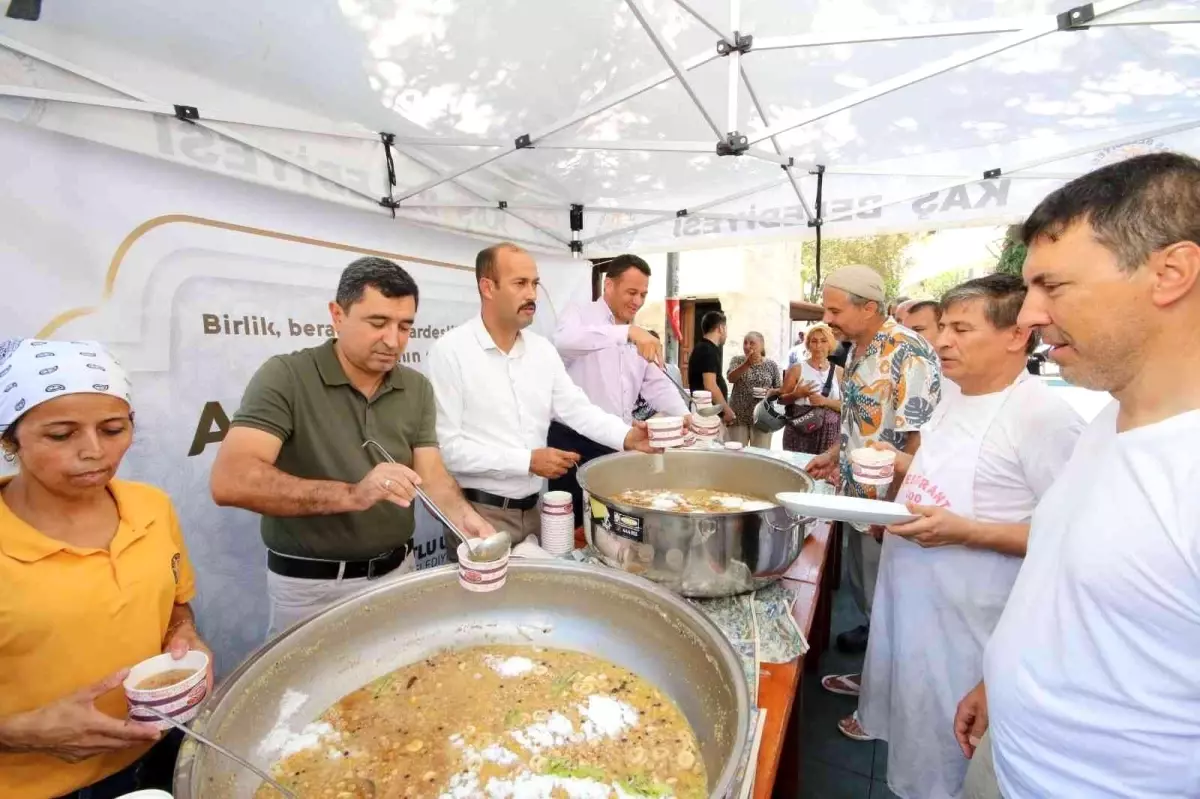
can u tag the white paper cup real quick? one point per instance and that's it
(481, 577)
(873, 466)
(702, 398)
(180, 701)
(149, 793)
(556, 499)
(558, 522)
(734, 445)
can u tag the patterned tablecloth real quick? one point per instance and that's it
(758, 624)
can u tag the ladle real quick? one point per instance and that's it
(491, 548)
(707, 410)
(216, 746)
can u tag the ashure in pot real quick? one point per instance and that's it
(624, 620)
(695, 554)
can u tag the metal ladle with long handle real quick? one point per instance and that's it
(491, 548)
(708, 410)
(222, 750)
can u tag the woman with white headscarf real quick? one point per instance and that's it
(95, 578)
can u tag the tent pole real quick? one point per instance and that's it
(817, 223)
(1044, 27)
(787, 168)
(725, 37)
(672, 349)
(636, 7)
(735, 63)
(566, 122)
(940, 30)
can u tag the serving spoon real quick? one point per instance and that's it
(493, 547)
(708, 410)
(222, 750)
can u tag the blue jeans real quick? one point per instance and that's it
(155, 769)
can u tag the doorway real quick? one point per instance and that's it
(691, 314)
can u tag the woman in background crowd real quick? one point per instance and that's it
(749, 371)
(95, 579)
(812, 394)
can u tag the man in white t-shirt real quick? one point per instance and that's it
(1093, 671)
(987, 455)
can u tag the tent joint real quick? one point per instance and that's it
(742, 43)
(523, 142)
(992, 174)
(734, 143)
(1076, 19)
(681, 212)
(187, 113)
(502, 205)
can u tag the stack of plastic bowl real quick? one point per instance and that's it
(666, 432)
(707, 429)
(558, 522)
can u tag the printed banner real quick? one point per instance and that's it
(194, 280)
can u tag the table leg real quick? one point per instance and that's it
(835, 557)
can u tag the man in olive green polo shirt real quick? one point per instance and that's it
(335, 515)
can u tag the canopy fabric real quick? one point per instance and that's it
(903, 109)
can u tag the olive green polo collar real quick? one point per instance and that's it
(332, 373)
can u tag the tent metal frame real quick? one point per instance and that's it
(1007, 33)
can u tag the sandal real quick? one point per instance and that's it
(850, 727)
(842, 684)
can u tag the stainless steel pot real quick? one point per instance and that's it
(623, 619)
(694, 554)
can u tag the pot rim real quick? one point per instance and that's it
(700, 623)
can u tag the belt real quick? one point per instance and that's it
(315, 569)
(496, 501)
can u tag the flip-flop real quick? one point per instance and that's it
(842, 684)
(850, 727)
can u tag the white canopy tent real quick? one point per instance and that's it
(597, 126)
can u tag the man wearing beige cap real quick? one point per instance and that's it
(892, 384)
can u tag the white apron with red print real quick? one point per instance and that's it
(934, 610)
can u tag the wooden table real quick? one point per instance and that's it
(779, 683)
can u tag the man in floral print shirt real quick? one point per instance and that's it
(892, 384)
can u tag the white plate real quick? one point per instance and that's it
(844, 509)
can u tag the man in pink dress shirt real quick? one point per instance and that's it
(612, 360)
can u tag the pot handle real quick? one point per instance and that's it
(794, 518)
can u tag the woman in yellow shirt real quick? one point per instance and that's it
(95, 578)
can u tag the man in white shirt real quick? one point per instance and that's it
(1093, 671)
(987, 455)
(498, 386)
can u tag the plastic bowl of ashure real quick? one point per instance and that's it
(481, 576)
(574, 681)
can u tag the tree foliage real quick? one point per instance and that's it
(1012, 254)
(934, 287)
(884, 254)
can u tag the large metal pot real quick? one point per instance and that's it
(612, 615)
(695, 554)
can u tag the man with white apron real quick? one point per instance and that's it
(986, 456)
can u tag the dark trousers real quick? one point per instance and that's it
(564, 438)
(156, 769)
